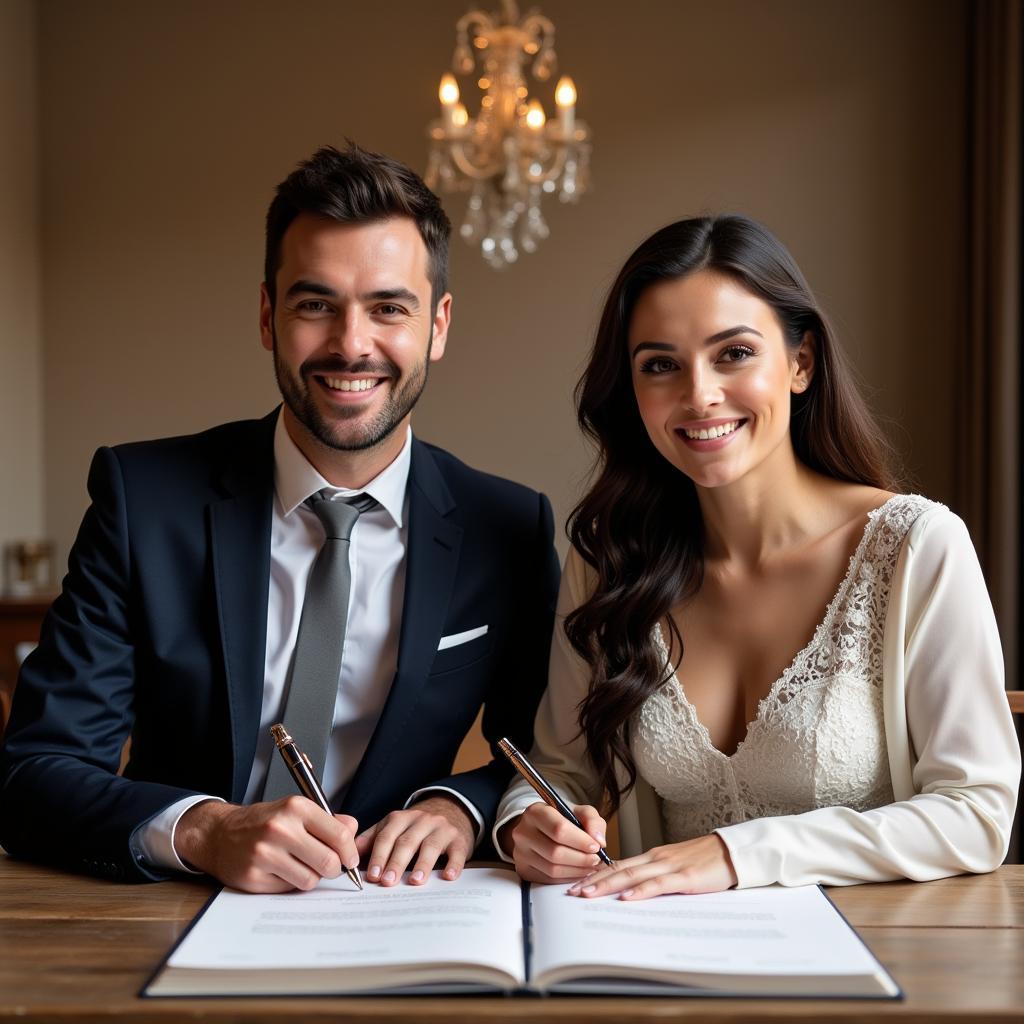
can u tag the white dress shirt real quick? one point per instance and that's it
(370, 655)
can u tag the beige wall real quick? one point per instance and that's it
(165, 126)
(21, 375)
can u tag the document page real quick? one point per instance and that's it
(476, 919)
(763, 932)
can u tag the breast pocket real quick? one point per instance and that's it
(460, 649)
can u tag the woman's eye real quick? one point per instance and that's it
(658, 365)
(736, 354)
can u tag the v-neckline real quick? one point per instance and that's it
(820, 630)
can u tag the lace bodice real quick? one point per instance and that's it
(817, 739)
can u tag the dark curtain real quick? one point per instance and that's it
(987, 405)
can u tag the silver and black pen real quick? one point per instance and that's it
(544, 789)
(305, 778)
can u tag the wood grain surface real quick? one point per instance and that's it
(76, 950)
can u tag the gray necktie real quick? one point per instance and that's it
(316, 667)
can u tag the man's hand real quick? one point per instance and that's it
(268, 847)
(431, 827)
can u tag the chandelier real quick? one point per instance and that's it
(510, 155)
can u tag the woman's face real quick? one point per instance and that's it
(713, 377)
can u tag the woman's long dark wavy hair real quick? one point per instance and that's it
(639, 526)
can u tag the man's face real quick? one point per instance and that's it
(352, 329)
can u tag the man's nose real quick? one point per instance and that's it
(351, 337)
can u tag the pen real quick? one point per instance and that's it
(305, 778)
(544, 790)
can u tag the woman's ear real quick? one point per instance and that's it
(803, 365)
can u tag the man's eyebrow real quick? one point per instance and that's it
(393, 295)
(304, 287)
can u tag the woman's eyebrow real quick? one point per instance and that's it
(731, 332)
(656, 346)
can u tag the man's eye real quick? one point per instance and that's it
(313, 306)
(736, 354)
(389, 309)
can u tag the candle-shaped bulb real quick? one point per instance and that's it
(535, 115)
(460, 116)
(449, 90)
(565, 92)
(565, 97)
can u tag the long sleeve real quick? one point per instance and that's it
(963, 760)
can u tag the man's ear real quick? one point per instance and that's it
(266, 319)
(803, 364)
(442, 321)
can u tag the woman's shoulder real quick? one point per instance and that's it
(919, 525)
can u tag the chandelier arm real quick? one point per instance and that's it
(465, 164)
(537, 27)
(552, 172)
(481, 19)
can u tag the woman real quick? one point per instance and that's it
(774, 667)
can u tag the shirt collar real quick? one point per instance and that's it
(295, 478)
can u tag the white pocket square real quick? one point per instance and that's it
(454, 639)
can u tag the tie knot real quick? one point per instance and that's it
(340, 514)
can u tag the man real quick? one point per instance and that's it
(198, 564)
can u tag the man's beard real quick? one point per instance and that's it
(397, 405)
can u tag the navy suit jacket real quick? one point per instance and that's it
(160, 633)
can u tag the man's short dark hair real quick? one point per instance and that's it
(358, 187)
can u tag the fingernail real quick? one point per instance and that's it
(374, 872)
(449, 872)
(594, 847)
(589, 888)
(573, 889)
(625, 893)
(389, 876)
(417, 876)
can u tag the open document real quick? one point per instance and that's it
(487, 932)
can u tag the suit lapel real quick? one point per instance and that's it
(431, 560)
(239, 524)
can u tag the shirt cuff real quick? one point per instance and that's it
(469, 808)
(153, 842)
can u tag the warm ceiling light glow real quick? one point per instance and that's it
(509, 154)
(449, 90)
(565, 92)
(535, 115)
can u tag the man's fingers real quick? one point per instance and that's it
(364, 841)
(336, 834)
(456, 862)
(424, 837)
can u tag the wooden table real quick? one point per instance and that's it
(78, 950)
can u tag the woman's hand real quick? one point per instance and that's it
(698, 865)
(548, 848)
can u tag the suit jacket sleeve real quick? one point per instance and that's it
(519, 678)
(62, 801)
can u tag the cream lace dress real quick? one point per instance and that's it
(818, 738)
